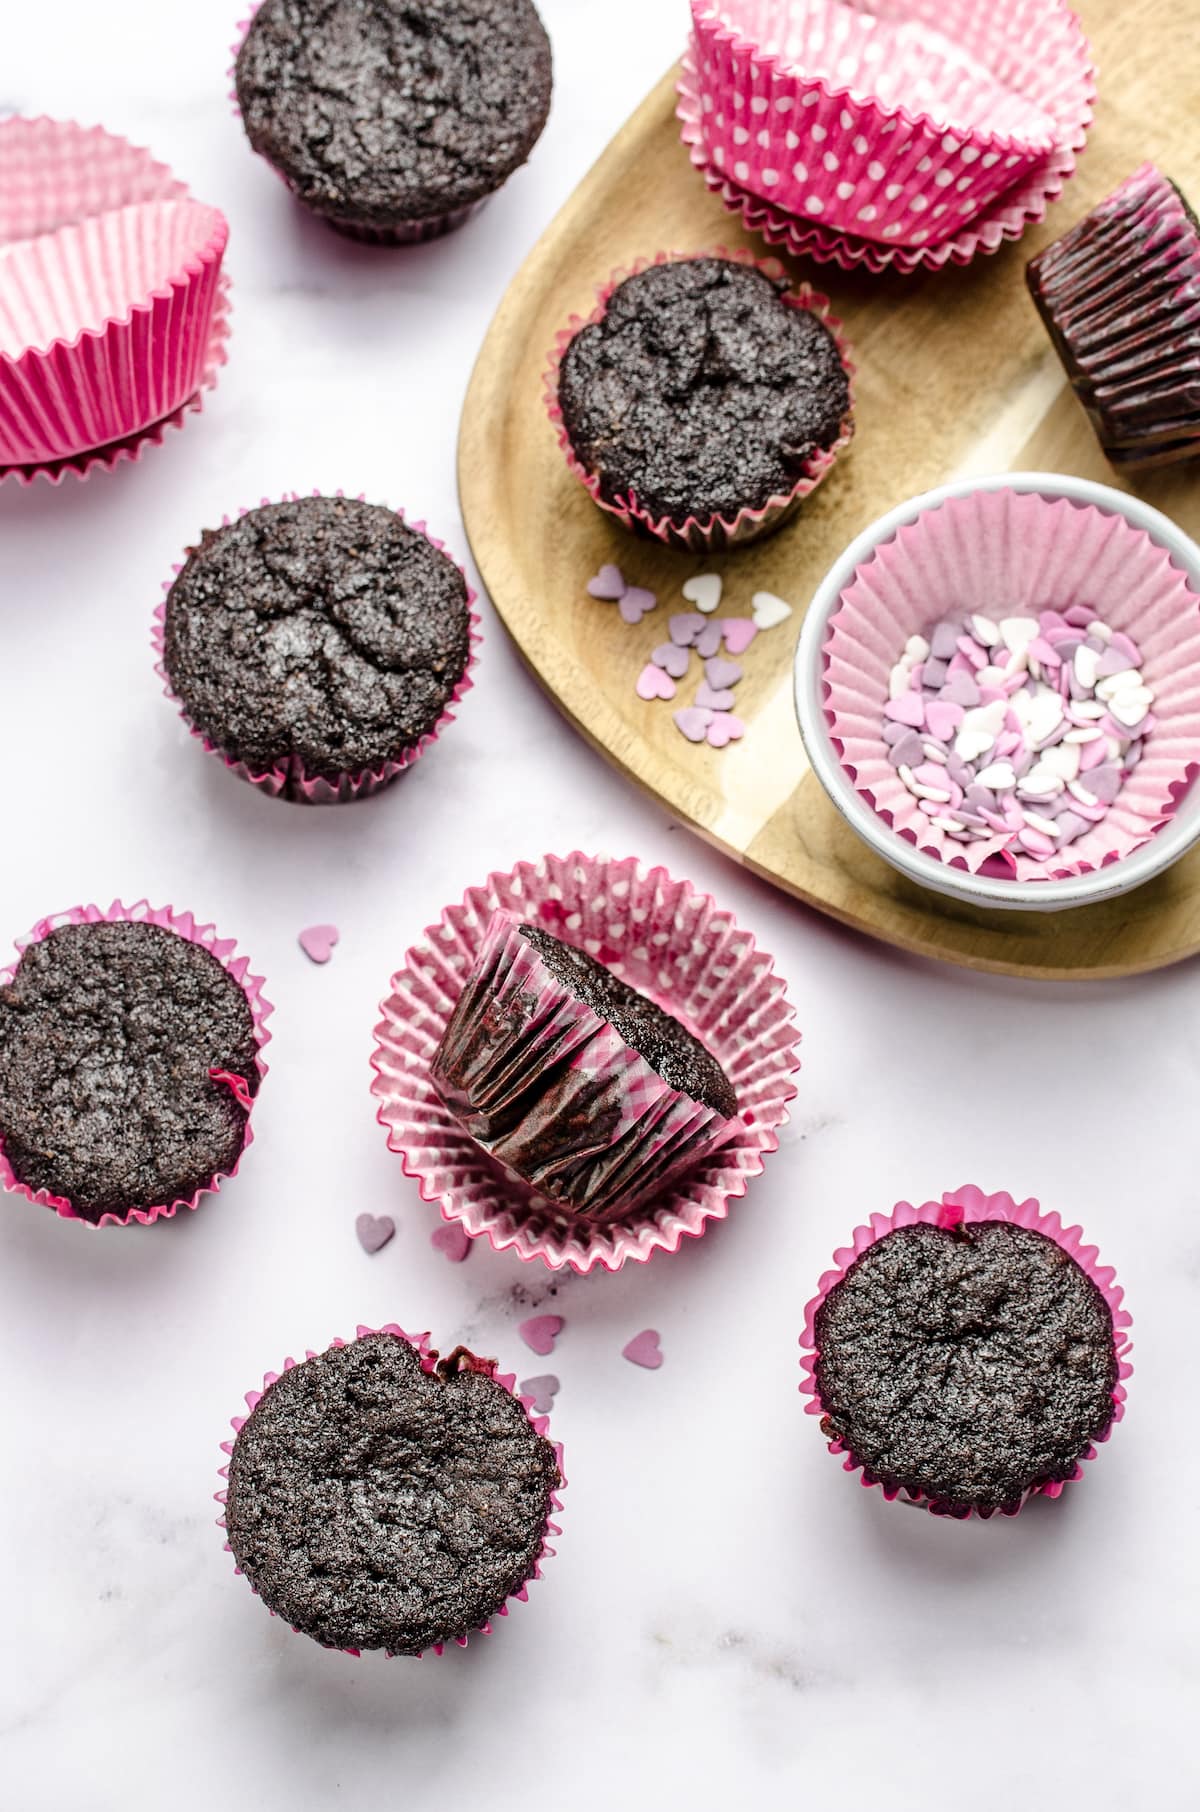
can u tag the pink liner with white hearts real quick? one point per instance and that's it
(715, 532)
(429, 1358)
(970, 1204)
(109, 281)
(184, 925)
(665, 938)
(1007, 217)
(898, 125)
(1015, 553)
(294, 782)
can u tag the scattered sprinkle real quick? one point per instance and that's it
(609, 584)
(374, 1231)
(769, 611)
(453, 1240)
(317, 942)
(704, 591)
(653, 683)
(541, 1392)
(540, 1332)
(693, 722)
(636, 603)
(644, 1350)
(724, 728)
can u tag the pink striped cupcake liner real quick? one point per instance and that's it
(716, 532)
(664, 937)
(186, 926)
(1017, 553)
(429, 1359)
(293, 781)
(970, 1204)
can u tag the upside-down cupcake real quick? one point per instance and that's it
(394, 122)
(703, 399)
(317, 645)
(379, 1497)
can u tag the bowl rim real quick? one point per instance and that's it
(1164, 848)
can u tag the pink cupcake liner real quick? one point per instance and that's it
(184, 925)
(664, 937)
(514, 1026)
(293, 781)
(1005, 218)
(889, 125)
(970, 1204)
(717, 532)
(1017, 553)
(429, 1358)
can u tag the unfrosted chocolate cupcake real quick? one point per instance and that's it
(128, 1059)
(316, 644)
(376, 1504)
(394, 119)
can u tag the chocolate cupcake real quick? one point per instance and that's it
(128, 1064)
(317, 645)
(579, 1085)
(394, 120)
(1120, 296)
(702, 400)
(967, 1360)
(381, 1498)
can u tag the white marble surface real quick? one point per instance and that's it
(730, 1620)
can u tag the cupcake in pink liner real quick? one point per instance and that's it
(130, 1055)
(106, 309)
(393, 124)
(704, 398)
(318, 645)
(1073, 603)
(662, 938)
(896, 127)
(967, 1355)
(342, 1525)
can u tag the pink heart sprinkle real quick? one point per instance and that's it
(540, 1332)
(541, 1392)
(720, 673)
(725, 728)
(374, 1231)
(453, 1240)
(692, 722)
(652, 682)
(317, 942)
(909, 708)
(635, 604)
(671, 659)
(942, 718)
(609, 583)
(709, 640)
(708, 700)
(685, 629)
(644, 1349)
(1114, 661)
(739, 632)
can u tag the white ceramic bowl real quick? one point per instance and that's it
(1165, 847)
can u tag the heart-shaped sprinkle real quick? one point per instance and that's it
(685, 629)
(644, 1350)
(609, 584)
(540, 1332)
(635, 604)
(769, 610)
(708, 642)
(317, 942)
(453, 1240)
(739, 632)
(692, 722)
(724, 729)
(708, 700)
(909, 708)
(652, 682)
(704, 591)
(672, 659)
(721, 673)
(374, 1231)
(541, 1393)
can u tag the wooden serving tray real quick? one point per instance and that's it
(955, 376)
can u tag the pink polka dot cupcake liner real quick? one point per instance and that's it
(665, 938)
(186, 926)
(294, 782)
(429, 1359)
(113, 309)
(970, 1204)
(716, 532)
(1009, 554)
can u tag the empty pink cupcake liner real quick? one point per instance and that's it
(429, 1358)
(1017, 553)
(715, 533)
(294, 782)
(666, 938)
(970, 1204)
(186, 926)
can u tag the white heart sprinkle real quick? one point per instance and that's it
(985, 631)
(970, 744)
(704, 591)
(1018, 632)
(998, 775)
(1086, 663)
(768, 610)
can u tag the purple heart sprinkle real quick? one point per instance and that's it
(635, 604)
(709, 640)
(692, 722)
(685, 629)
(608, 583)
(721, 673)
(710, 700)
(672, 659)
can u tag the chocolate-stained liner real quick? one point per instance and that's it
(1035, 553)
(225, 950)
(409, 232)
(666, 938)
(710, 534)
(294, 782)
(970, 1204)
(429, 1358)
(525, 1065)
